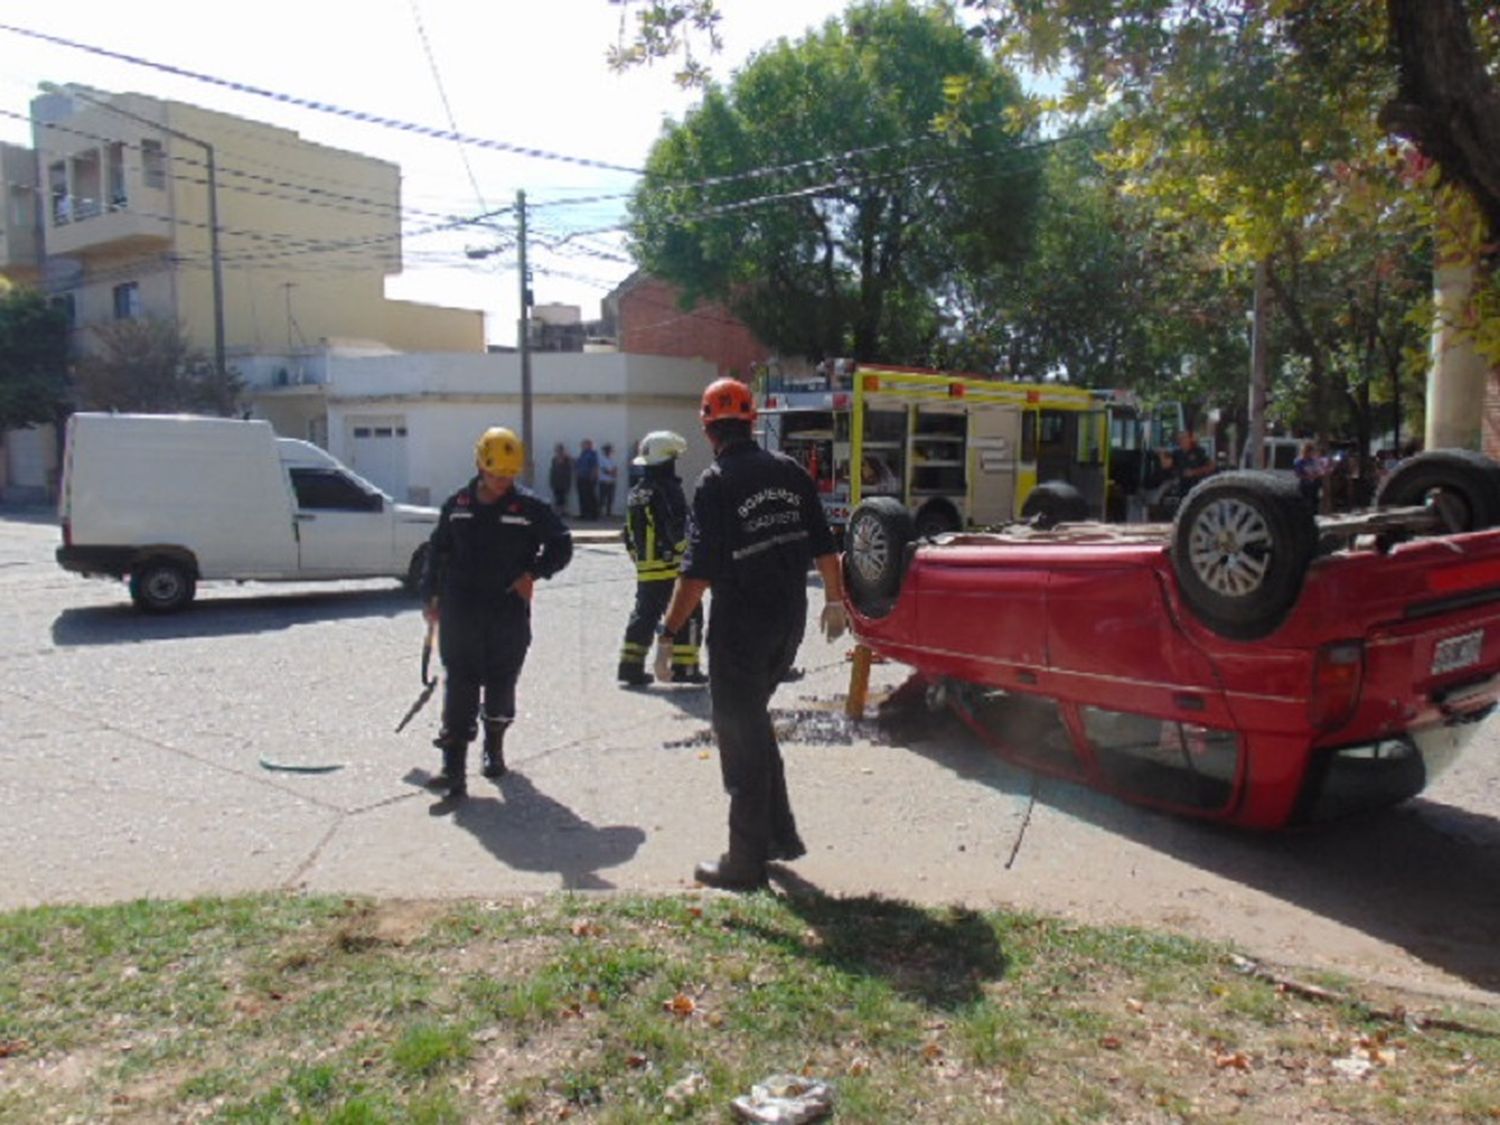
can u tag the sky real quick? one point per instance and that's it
(531, 74)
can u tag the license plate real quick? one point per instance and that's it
(1457, 652)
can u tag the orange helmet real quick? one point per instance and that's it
(728, 398)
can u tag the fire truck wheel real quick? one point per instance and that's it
(1462, 485)
(1053, 502)
(1241, 545)
(875, 542)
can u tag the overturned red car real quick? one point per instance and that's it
(1251, 662)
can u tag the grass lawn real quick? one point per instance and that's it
(283, 1008)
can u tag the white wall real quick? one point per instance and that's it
(446, 400)
(30, 471)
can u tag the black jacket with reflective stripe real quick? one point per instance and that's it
(756, 525)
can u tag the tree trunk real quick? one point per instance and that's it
(1447, 104)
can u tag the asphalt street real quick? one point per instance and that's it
(135, 755)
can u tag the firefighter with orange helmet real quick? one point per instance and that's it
(756, 525)
(494, 539)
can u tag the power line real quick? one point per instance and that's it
(321, 107)
(437, 78)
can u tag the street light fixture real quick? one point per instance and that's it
(213, 202)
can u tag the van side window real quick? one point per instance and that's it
(329, 490)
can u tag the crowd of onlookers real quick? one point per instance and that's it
(1339, 473)
(592, 477)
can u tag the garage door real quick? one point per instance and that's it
(377, 450)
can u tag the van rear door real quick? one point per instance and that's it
(343, 528)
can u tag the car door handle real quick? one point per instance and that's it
(305, 517)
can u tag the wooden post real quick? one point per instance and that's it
(859, 683)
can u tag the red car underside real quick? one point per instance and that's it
(1373, 682)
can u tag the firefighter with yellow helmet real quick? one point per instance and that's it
(494, 539)
(656, 514)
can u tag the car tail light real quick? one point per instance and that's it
(1338, 673)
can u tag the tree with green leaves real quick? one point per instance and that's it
(1438, 60)
(33, 358)
(1107, 298)
(813, 196)
(149, 366)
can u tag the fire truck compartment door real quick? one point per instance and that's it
(994, 445)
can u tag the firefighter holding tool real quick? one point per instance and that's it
(494, 539)
(656, 536)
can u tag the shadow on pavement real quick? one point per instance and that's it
(942, 958)
(226, 616)
(1420, 876)
(527, 830)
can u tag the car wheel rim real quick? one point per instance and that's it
(1451, 509)
(1230, 547)
(871, 549)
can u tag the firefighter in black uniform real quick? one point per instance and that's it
(756, 524)
(656, 536)
(493, 540)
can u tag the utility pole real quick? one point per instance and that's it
(523, 336)
(213, 251)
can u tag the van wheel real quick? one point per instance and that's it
(1053, 502)
(880, 529)
(413, 579)
(1463, 486)
(1241, 545)
(161, 585)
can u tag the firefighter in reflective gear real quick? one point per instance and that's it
(656, 536)
(756, 524)
(494, 538)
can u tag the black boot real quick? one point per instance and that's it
(729, 873)
(788, 849)
(633, 675)
(455, 766)
(688, 676)
(494, 748)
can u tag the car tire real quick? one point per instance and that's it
(875, 544)
(1241, 545)
(162, 585)
(1053, 502)
(413, 580)
(935, 520)
(1462, 485)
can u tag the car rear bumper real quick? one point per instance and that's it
(113, 561)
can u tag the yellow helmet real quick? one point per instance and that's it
(500, 453)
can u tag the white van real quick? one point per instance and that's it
(1280, 452)
(168, 500)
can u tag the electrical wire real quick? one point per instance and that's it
(437, 78)
(320, 107)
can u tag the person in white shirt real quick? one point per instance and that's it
(608, 473)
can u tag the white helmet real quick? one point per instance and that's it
(659, 447)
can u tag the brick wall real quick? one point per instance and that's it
(652, 323)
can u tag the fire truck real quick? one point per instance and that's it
(962, 451)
